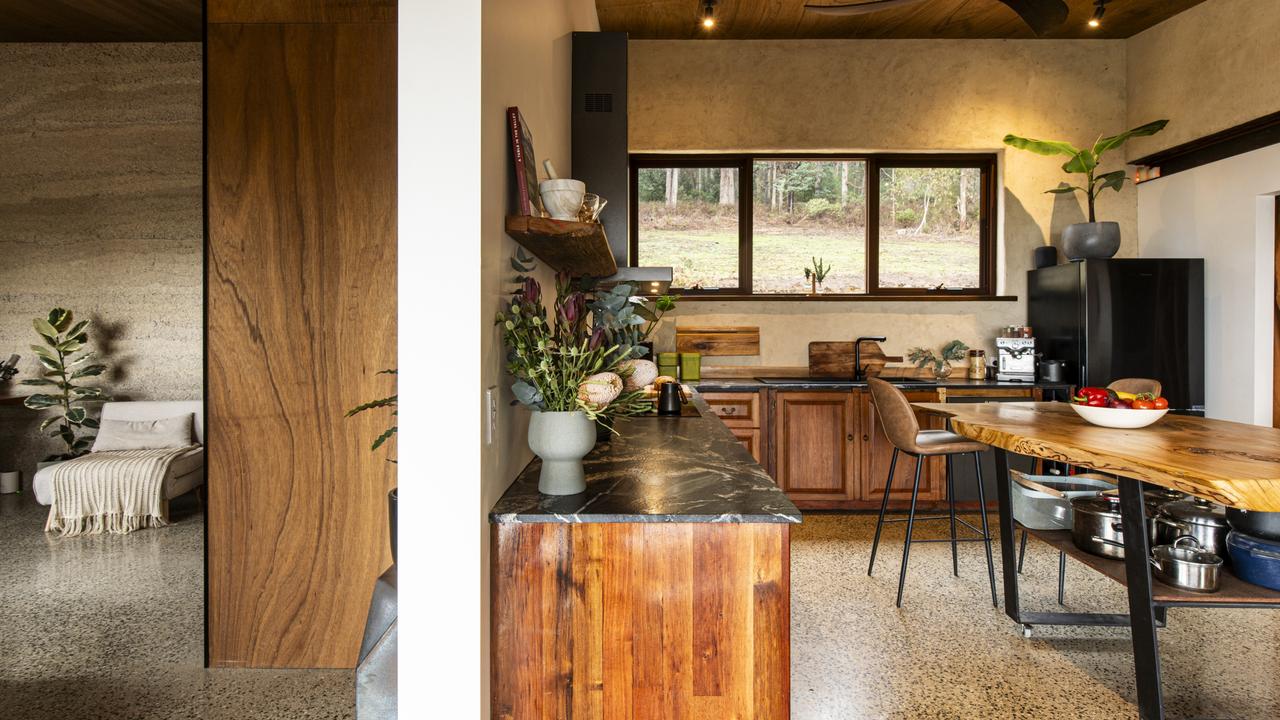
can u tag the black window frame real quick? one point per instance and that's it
(985, 163)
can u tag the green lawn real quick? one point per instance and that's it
(710, 257)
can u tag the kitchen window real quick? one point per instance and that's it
(747, 226)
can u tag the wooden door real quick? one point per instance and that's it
(877, 453)
(815, 447)
(751, 440)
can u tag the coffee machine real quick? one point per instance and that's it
(1016, 359)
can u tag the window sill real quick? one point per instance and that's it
(927, 297)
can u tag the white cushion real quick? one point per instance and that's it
(173, 432)
(155, 410)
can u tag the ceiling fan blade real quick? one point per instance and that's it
(1040, 15)
(862, 8)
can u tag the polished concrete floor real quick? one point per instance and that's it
(111, 628)
(947, 654)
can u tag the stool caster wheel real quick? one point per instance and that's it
(1026, 631)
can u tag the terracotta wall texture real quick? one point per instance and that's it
(101, 212)
(888, 95)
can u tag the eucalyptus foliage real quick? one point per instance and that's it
(925, 357)
(389, 401)
(1086, 161)
(61, 368)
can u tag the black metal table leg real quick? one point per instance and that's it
(1142, 610)
(1022, 550)
(1008, 554)
(951, 503)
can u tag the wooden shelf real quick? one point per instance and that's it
(573, 247)
(1231, 591)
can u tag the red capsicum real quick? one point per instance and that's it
(1092, 396)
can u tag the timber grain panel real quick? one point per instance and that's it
(727, 340)
(1230, 463)
(301, 312)
(641, 621)
(302, 11)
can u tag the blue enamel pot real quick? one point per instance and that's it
(1255, 560)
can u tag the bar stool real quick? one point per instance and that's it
(903, 430)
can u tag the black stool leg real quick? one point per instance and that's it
(1062, 577)
(951, 502)
(1022, 551)
(911, 518)
(986, 531)
(884, 503)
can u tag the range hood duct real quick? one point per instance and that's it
(600, 151)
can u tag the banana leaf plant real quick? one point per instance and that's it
(389, 401)
(1086, 161)
(63, 372)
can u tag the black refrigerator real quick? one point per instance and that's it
(1111, 319)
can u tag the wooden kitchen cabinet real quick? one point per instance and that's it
(815, 445)
(742, 413)
(877, 453)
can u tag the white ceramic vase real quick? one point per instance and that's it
(10, 482)
(561, 439)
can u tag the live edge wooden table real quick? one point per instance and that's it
(1230, 463)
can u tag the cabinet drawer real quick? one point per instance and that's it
(737, 410)
(751, 440)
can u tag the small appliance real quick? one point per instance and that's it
(1016, 359)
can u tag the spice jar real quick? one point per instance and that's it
(977, 364)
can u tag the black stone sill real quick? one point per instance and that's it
(922, 297)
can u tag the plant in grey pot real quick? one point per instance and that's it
(392, 497)
(1092, 239)
(62, 375)
(566, 373)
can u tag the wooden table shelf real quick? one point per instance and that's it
(574, 247)
(1231, 591)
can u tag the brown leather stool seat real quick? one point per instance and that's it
(903, 430)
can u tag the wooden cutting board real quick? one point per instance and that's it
(835, 359)
(718, 340)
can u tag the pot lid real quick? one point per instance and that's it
(1097, 504)
(1186, 550)
(1196, 511)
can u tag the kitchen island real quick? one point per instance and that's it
(662, 591)
(1230, 463)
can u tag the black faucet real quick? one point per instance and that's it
(859, 372)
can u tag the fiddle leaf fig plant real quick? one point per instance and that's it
(1086, 161)
(61, 369)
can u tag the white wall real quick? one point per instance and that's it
(1225, 213)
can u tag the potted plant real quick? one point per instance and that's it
(392, 497)
(939, 363)
(61, 369)
(568, 374)
(1092, 239)
(816, 274)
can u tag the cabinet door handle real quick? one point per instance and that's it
(850, 437)
(730, 410)
(866, 438)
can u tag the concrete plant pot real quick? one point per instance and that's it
(1091, 241)
(561, 439)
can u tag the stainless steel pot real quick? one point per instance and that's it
(1096, 527)
(1190, 568)
(1198, 518)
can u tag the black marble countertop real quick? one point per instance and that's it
(660, 469)
(801, 383)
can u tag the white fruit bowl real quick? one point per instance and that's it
(1122, 418)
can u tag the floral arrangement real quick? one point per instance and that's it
(582, 356)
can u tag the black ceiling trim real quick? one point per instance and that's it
(1242, 138)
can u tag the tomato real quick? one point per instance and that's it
(1160, 404)
(1144, 404)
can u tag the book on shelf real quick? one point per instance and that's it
(525, 198)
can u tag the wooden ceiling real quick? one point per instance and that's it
(782, 19)
(101, 21)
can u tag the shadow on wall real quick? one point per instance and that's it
(1066, 211)
(1018, 221)
(106, 339)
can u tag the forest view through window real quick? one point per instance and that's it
(894, 225)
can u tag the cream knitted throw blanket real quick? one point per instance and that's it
(115, 492)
